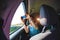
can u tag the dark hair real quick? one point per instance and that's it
(34, 15)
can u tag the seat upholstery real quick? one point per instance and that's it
(2, 35)
(52, 19)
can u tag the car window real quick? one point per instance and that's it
(16, 22)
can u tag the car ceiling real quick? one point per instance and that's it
(36, 4)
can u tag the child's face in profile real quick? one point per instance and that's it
(35, 21)
(43, 21)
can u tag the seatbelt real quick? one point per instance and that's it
(43, 29)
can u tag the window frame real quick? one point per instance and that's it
(12, 35)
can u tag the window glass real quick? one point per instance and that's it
(16, 22)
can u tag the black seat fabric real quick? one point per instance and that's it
(52, 19)
(2, 36)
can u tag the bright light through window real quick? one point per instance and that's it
(19, 12)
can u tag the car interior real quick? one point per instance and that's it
(12, 28)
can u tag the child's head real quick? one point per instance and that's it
(34, 17)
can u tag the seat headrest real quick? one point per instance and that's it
(49, 13)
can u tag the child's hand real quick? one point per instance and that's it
(28, 17)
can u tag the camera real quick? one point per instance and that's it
(26, 21)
